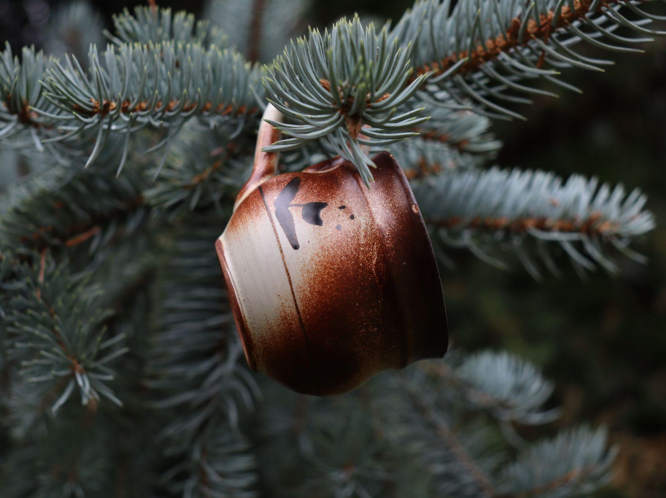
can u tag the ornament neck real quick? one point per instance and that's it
(265, 163)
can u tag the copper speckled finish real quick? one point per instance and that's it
(331, 282)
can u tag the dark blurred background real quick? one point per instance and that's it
(602, 340)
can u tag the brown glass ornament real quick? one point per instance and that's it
(330, 282)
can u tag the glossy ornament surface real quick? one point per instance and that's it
(330, 282)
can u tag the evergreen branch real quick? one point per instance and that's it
(482, 49)
(574, 462)
(29, 406)
(195, 371)
(341, 444)
(463, 455)
(49, 179)
(72, 460)
(88, 207)
(450, 139)
(17, 476)
(197, 379)
(160, 85)
(421, 159)
(153, 26)
(21, 90)
(126, 277)
(31, 152)
(42, 194)
(460, 129)
(462, 458)
(334, 84)
(203, 169)
(481, 209)
(453, 443)
(285, 421)
(128, 88)
(56, 333)
(127, 272)
(349, 455)
(509, 387)
(221, 466)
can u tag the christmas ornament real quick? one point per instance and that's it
(330, 282)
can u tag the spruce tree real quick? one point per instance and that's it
(121, 154)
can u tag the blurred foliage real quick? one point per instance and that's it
(603, 341)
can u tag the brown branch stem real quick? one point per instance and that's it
(508, 41)
(106, 107)
(423, 170)
(254, 43)
(450, 438)
(587, 226)
(549, 486)
(79, 233)
(354, 123)
(25, 115)
(444, 138)
(444, 372)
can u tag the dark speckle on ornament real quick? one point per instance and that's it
(312, 213)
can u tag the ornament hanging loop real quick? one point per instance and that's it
(265, 163)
